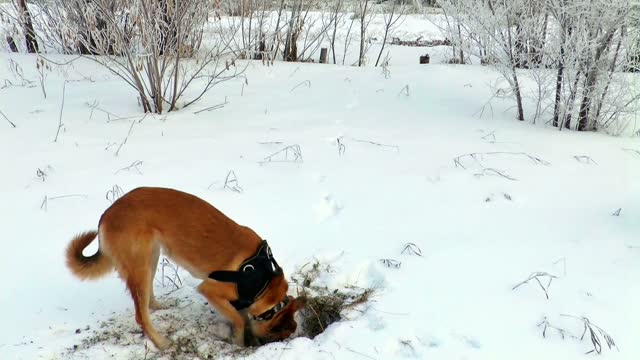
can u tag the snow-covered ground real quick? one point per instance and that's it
(385, 161)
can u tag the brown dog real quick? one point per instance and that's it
(240, 277)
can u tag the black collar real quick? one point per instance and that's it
(268, 315)
(253, 277)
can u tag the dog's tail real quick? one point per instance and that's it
(87, 267)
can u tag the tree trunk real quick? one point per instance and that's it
(27, 24)
(335, 30)
(537, 52)
(461, 51)
(518, 95)
(386, 33)
(590, 80)
(276, 33)
(514, 74)
(559, 81)
(520, 59)
(12, 44)
(363, 31)
(566, 121)
(291, 47)
(560, 76)
(612, 69)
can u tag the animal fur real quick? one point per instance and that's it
(137, 227)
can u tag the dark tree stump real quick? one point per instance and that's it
(324, 55)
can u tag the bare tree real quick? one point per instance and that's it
(27, 24)
(364, 15)
(296, 24)
(589, 53)
(337, 15)
(156, 51)
(348, 36)
(394, 15)
(584, 41)
(489, 22)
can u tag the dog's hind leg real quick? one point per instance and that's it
(139, 284)
(153, 303)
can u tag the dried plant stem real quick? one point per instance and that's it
(397, 148)
(6, 118)
(64, 87)
(306, 82)
(478, 157)
(214, 107)
(536, 276)
(128, 133)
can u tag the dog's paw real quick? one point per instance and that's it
(156, 305)
(238, 338)
(162, 344)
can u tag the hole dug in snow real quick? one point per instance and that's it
(324, 306)
(197, 331)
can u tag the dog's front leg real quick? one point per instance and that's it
(219, 295)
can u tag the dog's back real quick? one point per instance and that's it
(191, 231)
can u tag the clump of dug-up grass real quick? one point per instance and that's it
(324, 306)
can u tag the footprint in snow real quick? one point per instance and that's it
(498, 196)
(328, 207)
(469, 341)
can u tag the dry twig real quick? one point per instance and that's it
(128, 134)
(584, 159)
(45, 202)
(545, 324)
(6, 118)
(231, 182)
(536, 276)
(390, 263)
(134, 166)
(412, 249)
(479, 157)
(291, 154)
(306, 82)
(492, 171)
(214, 107)
(397, 148)
(114, 193)
(64, 87)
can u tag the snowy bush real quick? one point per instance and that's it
(584, 42)
(155, 47)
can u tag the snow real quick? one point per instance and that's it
(393, 182)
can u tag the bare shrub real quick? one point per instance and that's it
(394, 15)
(153, 46)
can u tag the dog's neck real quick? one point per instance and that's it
(269, 314)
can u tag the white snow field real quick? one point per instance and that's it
(397, 183)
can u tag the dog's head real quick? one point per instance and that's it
(271, 317)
